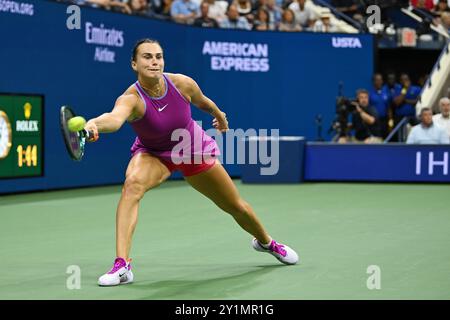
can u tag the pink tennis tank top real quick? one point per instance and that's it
(167, 129)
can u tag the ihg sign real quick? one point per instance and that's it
(435, 163)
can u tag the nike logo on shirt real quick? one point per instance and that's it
(162, 108)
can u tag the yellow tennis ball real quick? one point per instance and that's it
(76, 124)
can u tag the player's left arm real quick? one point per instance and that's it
(205, 104)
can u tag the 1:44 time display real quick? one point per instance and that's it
(27, 155)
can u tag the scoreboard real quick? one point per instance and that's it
(21, 135)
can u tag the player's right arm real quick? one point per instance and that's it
(113, 121)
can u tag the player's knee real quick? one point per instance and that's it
(162, 178)
(133, 187)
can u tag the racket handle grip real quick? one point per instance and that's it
(89, 135)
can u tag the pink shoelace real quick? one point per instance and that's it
(278, 248)
(118, 263)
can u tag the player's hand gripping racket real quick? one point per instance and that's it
(73, 139)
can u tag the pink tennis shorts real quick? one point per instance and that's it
(188, 169)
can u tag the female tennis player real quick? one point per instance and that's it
(156, 105)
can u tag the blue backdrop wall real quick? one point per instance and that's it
(284, 83)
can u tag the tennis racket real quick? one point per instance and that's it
(74, 141)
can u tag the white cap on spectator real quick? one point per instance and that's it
(325, 13)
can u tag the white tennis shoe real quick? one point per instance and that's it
(120, 273)
(280, 251)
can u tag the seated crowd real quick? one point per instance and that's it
(439, 9)
(262, 15)
(377, 112)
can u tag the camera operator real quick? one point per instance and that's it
(365, 121)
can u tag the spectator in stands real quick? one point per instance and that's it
(167, 7)
(427, 132)
(140, 7)
(391, 83)
(324, 24)
(245, 9)
(445, 21)
(288, 22)
(304, 14)
(405, 99)
(217, 9)
(103, 4)
(391, 87)
(261, 22)
(156, 5)
(256, 4)
(443, 119)
(364, 120)
(379, 97)
(233, 20)
(162, 8)
(441, 7)
(114, 5)
(204, 20)
(275, 13)
(283, 4)
(184, 11)
(441, 11)
(351, 8)
(423, 4)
